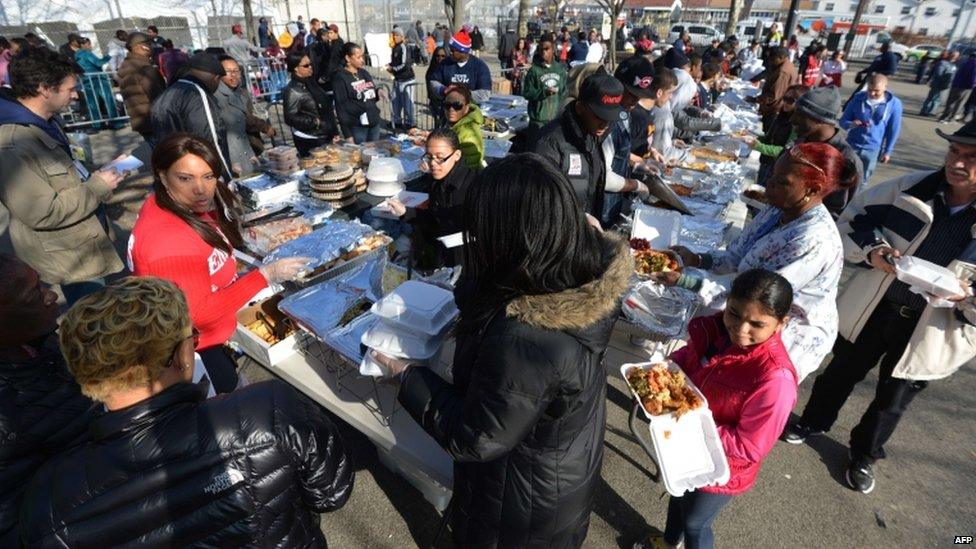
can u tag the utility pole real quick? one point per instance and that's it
(248, 21)
(955, 26)
(849, 41)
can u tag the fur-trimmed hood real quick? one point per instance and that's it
(578, 308)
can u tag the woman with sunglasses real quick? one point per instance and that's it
(167, 466)
(356, 97)
(433, 98)
(307, 110)
(465, 118)
(186, 233)
(794, 236)
(447, 181)
(781, 132)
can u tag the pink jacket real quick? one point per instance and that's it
(750, 392)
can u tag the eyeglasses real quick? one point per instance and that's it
(796, 155)
(233, 71)
(789, 100)
(436, 161)
(454, 105)
(194, 334)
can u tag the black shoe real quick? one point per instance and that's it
(798, 432)
(860, 477)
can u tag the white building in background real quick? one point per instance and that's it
(926, 17)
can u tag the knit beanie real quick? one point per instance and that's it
(822, 104)
(461, 42)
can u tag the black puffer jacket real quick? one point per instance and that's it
(525, 417)
(42, 413)
(307, 108)
(247, 469)
(577, 155)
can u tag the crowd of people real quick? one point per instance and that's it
(108, 440)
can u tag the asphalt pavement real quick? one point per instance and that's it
(925, 489)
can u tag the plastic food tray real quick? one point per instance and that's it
(418, 308)
(689, 451)
(927, 276)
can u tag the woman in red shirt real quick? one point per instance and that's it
(738, 361)
(186, 233)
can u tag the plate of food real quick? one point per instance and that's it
(648, 261)
(705, 153)
(755, 196)
(683, 432)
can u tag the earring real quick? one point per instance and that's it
(806, 199)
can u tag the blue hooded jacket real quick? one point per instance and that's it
(13, 112)
(885, 123)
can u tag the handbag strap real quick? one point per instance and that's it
(210, 123)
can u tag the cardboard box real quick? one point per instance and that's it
(501, 85)
(252, 345)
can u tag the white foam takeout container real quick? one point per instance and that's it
(689, 451)
(391, 340)
(928, 277)
(659, 227)
(418, 308)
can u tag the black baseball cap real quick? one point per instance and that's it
(636, 74)
(206, 62)
(603, 93)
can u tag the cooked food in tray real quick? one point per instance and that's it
(647, 261)
(270, 324)
(704, 153)
(662, 391)
(681, 190)
(696, 166)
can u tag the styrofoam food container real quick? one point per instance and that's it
(659, 227)
(927, 276)
(418, 308)
(391, 340)
(689, 450)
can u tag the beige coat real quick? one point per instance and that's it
(53, 225)
(942, 341)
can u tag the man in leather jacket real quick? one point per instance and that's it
(42, 410)
(166, 467)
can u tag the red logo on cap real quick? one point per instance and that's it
(643, 83)
(611, 99)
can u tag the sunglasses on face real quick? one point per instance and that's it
(454, 106)
(194, 334)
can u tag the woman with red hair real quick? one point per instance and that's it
(794, 236)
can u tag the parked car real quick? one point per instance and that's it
(916, 53)
(701, 35)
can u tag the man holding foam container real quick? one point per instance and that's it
(919, 333)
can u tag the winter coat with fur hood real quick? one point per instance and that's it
(524, 418)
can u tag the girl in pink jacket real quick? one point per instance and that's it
(738, 361)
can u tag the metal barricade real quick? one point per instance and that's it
(98, 103)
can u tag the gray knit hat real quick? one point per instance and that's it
(821, 104)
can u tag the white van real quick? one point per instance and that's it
(701, 35)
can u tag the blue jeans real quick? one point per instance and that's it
(932, 101)
(77, 290)
(402, 100)
(690, 518)
(869, 159)
(363, 134)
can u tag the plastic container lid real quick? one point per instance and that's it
(927, 276)
(659, 227)
(391, 340)
(386, 170)
(418, 308)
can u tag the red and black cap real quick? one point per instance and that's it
(603, 93)
(636, 73)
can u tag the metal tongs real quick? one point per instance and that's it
(659, 189)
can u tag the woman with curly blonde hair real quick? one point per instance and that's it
(165, 466)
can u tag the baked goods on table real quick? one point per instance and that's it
(696, 166)
(662, 390)
(334, 184)
(704, 153)
(283, 159)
